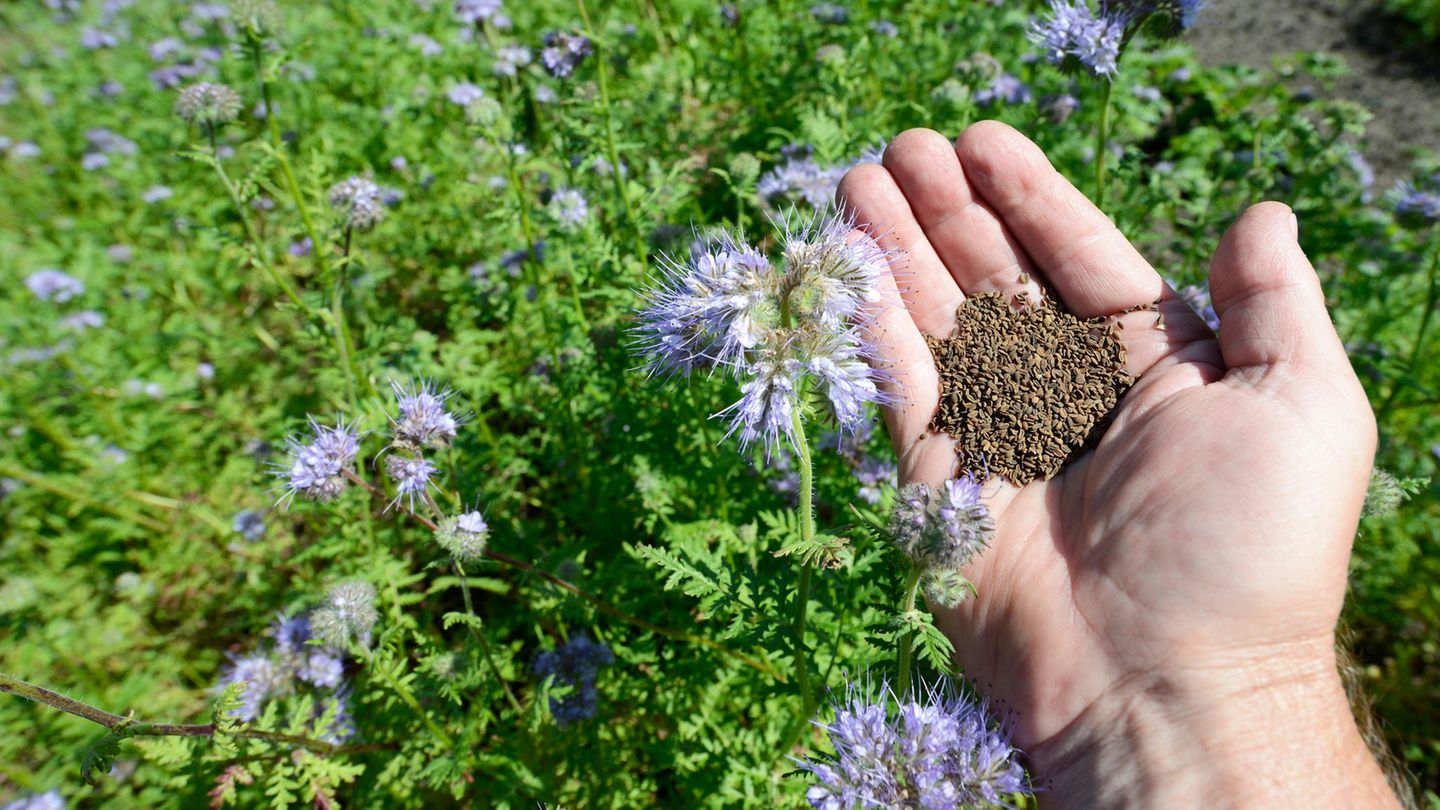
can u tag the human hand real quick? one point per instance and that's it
(1161, 615)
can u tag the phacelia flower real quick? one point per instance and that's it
(262, 678)
(510, 58)
(321, 668)
(348, 614)
(49, 800)
(208, 105)
(1198, 297)
(773, 328)
(424, 419)
(250, 525)
(49, 284)
(1418, 203)
(830, 13)
(874, 476)
(569, 208)
(155, 194)
(464, 94)
(941, 527)
(574, 665)
(563, 52)
(477, 11)
(82, 320)
(1071, 35)
(411, 475)
(359, 202)
(317, 468)
(1004, 88)
(464, 536)
(425, 45)
(801, 178)
(257, 18)
(936, 749)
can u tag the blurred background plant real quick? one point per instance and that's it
(475, 194)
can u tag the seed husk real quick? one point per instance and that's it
(1026, 387)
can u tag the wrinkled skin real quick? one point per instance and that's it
(1199, 552)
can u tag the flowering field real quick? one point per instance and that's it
(392, 415)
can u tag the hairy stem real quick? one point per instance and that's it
(39, 694)
(907, 640)
(1102, 140)
(602, 80)
(277, 146)
(405, 695)
(806, 512)
(483, 642)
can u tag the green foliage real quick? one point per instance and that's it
(1425, 14)
(124, 582)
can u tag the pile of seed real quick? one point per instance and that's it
(1025, 387)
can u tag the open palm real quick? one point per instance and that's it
(1209, 531)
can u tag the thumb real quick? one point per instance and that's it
(1268, 297)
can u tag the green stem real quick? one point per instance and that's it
(484, 643)
(912, 586)
(1432, 297)
(318, 250)
(252, 237)
(602, 80)
(337, 314)
(806, 511)
(575, 288)
(55, 700)
(68, 491)
(406, 695)
(1102, 140)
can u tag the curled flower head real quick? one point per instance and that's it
(208, 105)
(317, 467)
(411, 475)
(776, 329)
(477, 11)
(941, 527)
(348, 614)
(464, 94)
(464, 536)
(359, 202)
(510, 58)
(933, 749)
(563, 52)
(424, 419)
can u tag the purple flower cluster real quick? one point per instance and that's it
(424, 419)
(1418, 202)
(249, 524)
(801, 179)
(570, 208)
(938, 750)
(563, 52)
(1073, 35)
(359, 202)
(1198, 297)
(476, 12)
(574, 665)
(49, 284)
(291, 663)
(347, 615)
(941, 527)
(1004, 88)
(775, 330)
(317, 467)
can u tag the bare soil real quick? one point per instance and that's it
(1393, 75)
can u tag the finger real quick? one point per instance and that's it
(1268, 297)
(869, 193)
(967, 236)
(1092, 266)
(909, 380)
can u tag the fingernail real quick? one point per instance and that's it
(1294, 226)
